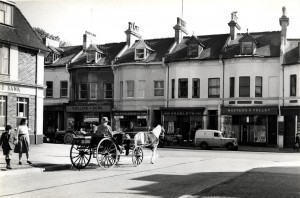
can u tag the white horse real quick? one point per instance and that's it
(149, 140)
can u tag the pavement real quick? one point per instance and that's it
(53, 157)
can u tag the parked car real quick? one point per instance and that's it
(206, 139)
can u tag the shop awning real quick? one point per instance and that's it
(290, 110)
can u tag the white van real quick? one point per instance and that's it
(206, 139)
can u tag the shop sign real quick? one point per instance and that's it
(130, 113)
(141, 117)
(249, 111)
(9, 88)
(86, 108)
(182, 113)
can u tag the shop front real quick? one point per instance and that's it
(291, 124)
(182, 121)
(86, 117)
(130, 121)
(251, 125)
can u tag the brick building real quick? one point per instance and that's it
(21, 72)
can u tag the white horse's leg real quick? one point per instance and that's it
(154, 153)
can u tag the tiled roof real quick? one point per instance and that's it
(160, 47)
(67, 53)
(110, 50)
(213, 46)
(21, 33)
(268, 44)
(292, 54)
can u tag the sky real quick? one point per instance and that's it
(108, 19)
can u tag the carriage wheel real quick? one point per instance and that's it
(107, 153)
(80, 155)
(137, 156)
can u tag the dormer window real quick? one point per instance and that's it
(6, 12)
(93, 54)
(194, 47)
(142, 51)
(194, 50)
(247, 44)
(51, 58)
(247, 48)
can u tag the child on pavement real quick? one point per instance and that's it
(8, 141)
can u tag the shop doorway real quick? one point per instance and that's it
(272, 130)
(289, 131)
(244, 133)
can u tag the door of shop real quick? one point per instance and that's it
(272, 130)
(244, 133)
(289, 131)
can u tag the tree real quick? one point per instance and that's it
(43, 34)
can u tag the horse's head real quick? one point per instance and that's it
(157, 131)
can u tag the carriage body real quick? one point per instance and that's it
(106, 150)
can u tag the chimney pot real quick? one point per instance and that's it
(233, 24)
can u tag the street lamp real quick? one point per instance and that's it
(147, 116)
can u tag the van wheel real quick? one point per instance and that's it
(68, 138)
(204, 146)
(230, 146)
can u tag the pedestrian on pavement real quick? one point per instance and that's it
(297, 142)
(8, 141)
(23, 141)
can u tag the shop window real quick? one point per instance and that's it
(4, 59)
(6, 12)
(159, 88)
(108, 90)
(141, 89)
(214, 88)
(130, 88)
(121, 89)
(63, 89)
(83, 91)
(22, 107)
(3, 113)
(258, 86)
(173, 88)
(244, 86)
(183, 88)
(196, 88)
(231, 94)
(49, 89)
(293, 85)
(93, 91)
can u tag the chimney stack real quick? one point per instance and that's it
(88, 39)
(233, 24)
(179, 29)
(284, 22)
(131, 32)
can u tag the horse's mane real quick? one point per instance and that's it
(156, 131)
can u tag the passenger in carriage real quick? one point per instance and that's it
(104, 129)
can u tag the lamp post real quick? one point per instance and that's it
(147, 116)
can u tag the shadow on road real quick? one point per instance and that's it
(270, 182)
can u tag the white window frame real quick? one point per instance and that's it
(159, 91)
(3, 112)
(121, 90)
(130, 90)
(7, 11)
(91, 55)
(139, 53)
(93, 91)
(4, 59)
(63, 88)
(141, 89)
(25, 102)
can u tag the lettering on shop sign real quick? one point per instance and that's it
(183, 113)
(84, 108)
(9, 88)
(249, 111)
(130, 113)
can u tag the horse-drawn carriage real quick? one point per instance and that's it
(107, 150)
